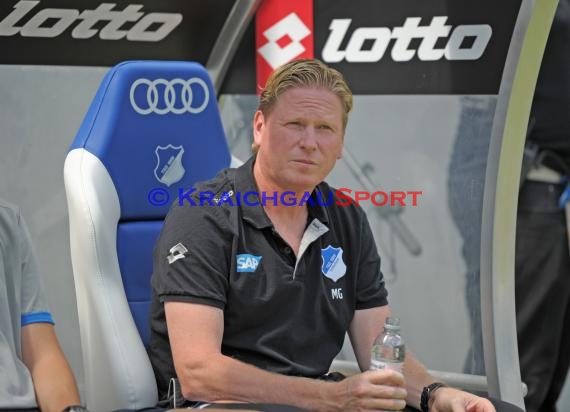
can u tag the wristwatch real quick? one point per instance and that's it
(75, 408)
(427, 392)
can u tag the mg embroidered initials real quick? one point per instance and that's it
(336, 293)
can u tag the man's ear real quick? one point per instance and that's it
(258, 125)
(339, 156)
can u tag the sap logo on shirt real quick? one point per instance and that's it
(247, 262)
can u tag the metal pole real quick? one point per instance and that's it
(228, 40)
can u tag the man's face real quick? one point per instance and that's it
(300, 139)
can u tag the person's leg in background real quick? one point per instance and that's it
(561, 371)
(466, 181)
(542, 293)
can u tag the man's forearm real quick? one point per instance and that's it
(227, 379)
(53, 380)
(417, 377)
(54, 384)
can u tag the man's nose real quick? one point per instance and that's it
(309, 139)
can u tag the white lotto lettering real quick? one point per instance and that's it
(482, 34)
(380, 37)
(336, 293)
(61, 19)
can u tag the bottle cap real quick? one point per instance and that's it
(392, 323)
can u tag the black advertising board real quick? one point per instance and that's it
(99, 33)
(460, 65)
(382, 46)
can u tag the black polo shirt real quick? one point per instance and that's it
(282, 313)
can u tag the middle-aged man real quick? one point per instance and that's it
(251, 302)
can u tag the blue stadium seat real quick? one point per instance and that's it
(152, 129)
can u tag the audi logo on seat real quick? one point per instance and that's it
(168, 96)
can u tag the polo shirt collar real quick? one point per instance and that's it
(255, 215)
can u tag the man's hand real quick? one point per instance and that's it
(372, 391)
(453, 400)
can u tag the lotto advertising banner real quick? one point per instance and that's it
(382, 46)
(284, 31)
(393, 46)
(103, 33)
(417, 47)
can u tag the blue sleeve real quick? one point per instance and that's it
(36, 317)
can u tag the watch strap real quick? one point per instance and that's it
(427, 392)
(75, 408)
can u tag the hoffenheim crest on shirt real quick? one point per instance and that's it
(169, 169)
(333, 265)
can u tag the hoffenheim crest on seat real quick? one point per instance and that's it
(333, 265)
(169, 169)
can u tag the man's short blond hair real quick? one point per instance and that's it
(304, 73)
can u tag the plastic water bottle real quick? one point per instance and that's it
(388, 349)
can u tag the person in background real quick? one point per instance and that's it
(34, 374)
(542, 264)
